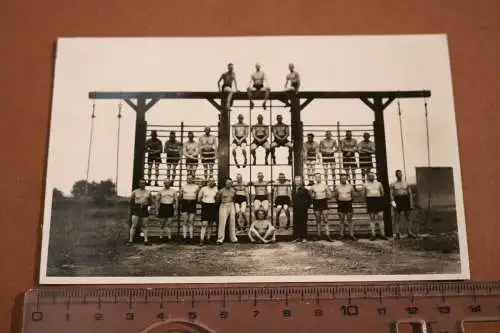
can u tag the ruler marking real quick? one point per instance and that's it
(224, 299)
(254, 297)
(161, 301)
(192, 300)
(286, 297)
(130, 301)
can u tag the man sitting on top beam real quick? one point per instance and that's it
(227, 79)
(258, 82)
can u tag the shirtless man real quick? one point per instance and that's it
(154, 148)
(320, 194)
(293, 78)
(140, 201)
(262, 229)
(282, 200)
(261, 200)
(240, 135)
(166, 201)
(209, 214)
(311, 153)
(227, 79)
(328, 147)
(366, 149)
(348, 146)
(225, 197)
(260, 133)
(208, 149)
(281, 134)
(173, 149)
(258, 82)
(191, 151)
(344, 193)
(188, 196)
(241, 199)
(400, 200)
(374, 194)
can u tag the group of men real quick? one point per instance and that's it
(229, 204)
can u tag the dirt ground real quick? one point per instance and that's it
(94, 244)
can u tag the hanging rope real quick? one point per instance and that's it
(119, 116)
(91, 137)
(402, 140)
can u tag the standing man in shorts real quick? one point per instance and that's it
(282, 200)
(260, 133)
(366, 148)
(349, 146)
(400, 200)
(241, 199)
(374, 194)
(166, 201)
(208, 148)
(281, 134)
(320, 194)
(225, 197)
(173, 150)
(240, 135)
(258, 82)
(209, 214)
(140, 200)
(227, 79)
(154, 148)
(328, 147)
(191, 151)
(262, 229)
(344, 194)
(188, 196)
(311, 153)
(261, 200)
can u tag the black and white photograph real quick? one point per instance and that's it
(253, 159)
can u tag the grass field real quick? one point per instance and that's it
(92, 242)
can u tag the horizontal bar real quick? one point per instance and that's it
(274, 95)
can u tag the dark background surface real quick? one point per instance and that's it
(28, 30)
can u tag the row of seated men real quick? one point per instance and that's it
(229, 204)
(205, 149)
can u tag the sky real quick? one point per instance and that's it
(353, 63)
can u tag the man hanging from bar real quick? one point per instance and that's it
(281, 133)
(154, 148)
(227, 79)
(349, 146)
(209, 213)
(401, 202)
(366, 148)
(191, 151)
(260, 133)
(140, 201)
(262, 229)
(258, 82)
(173, 150)
(241, 199)
(208, 148)
(166, 201)
(344, 194)
(240, 135)
(328, 147)
(374, 194)
(310, 155)
(188, 196)
(320, 193)
(282, 201)
(261, 199)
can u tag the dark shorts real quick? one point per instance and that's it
(191, 161)
(311, 158)
(349, 159)
(328, 157)
(259, 144)
(238, 199)
(140, 210)
(261, 197)
(344, 207)
(295, 85)
(280, 142)
(188, 206)
(403, 203)
(365, 161)
(374, 204)
(173, 158)
(207, 156)
(154, 158)
(239, 144)
(320, 204)
(258, 86)
(166, 211)
(209, 212)
(282, 200)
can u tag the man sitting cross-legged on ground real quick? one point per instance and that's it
(282, 201)
(241, 199)
(320, 194)
(240, 135)
(374, 193)
(281, 134)
(140, 201)
(258, 82)
(262, 229)
(209, 213)
(261, 200)
(167, 200)
(260, 133)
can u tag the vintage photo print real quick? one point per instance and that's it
(253, 159)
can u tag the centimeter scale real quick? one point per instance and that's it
(427, 307)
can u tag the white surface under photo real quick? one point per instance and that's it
(253, 159)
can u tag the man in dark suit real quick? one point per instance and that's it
(301, 201)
